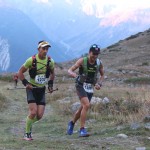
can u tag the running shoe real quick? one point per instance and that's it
(70, 128)
(83, 133)
(28, 137)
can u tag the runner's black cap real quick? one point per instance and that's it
(95, 49)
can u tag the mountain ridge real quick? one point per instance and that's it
(21, 36)
(75, 29)
(127, 58)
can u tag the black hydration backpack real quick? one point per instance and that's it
(33, 70)
(83, 70)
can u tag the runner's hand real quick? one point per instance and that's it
(50, 86)
(29, 86)
(97, 86)
(50, 89)
(74, 75)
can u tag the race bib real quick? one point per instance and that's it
(88, 87)
(40, 79)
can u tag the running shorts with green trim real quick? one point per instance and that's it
(81, 92)
(36, 95)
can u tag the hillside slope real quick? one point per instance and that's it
(129, 57)
(125, 59)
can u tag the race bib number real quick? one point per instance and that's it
(40, 79)
(88, 87)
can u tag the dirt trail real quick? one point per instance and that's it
(50, 132)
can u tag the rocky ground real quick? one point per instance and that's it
(119, 118)
(50, 132)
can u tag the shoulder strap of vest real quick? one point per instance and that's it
(34, 61)
(48, 69)
(98, 63)
(33, 69)
(48, 60)
(85, 59)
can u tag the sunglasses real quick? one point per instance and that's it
(96, 54)
(45, 48)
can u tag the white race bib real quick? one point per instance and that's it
(40, 79)
(88, 87)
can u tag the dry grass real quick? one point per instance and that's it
(6, 77)
(51, 130)
(126, 104)
(3, 102)
(141, 80)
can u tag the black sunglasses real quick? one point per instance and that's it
(45, 48)
(95, 54)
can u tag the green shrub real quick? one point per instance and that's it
(133, 106)
(8, 78)
(140, 80)
(145, 64)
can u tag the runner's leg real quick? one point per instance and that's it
(31, 116)
(77, 115)
(40, 111)
(85, 104)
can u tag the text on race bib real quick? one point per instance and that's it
(40, 79)
(88, 87)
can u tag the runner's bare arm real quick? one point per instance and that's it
(74, 67)
(101, 79)
(52, 75)
(21, 72)
(21, 76)
(50, 82)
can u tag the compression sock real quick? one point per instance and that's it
(29, 123)
(35, 119)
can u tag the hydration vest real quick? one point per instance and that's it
(33, 70)
(83, 71)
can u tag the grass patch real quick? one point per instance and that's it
(50, 131)
(126, 105)
(3, 102)
(141, 80)
(6, 78)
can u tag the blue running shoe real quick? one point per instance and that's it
(70, 128)
(83, 133)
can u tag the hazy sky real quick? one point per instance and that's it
(112, 12)
(116, 11)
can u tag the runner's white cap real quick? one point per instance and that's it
(44, 44)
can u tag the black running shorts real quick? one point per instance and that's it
(82, 93)
(36, 96)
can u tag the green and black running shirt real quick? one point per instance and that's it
(41, 67)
